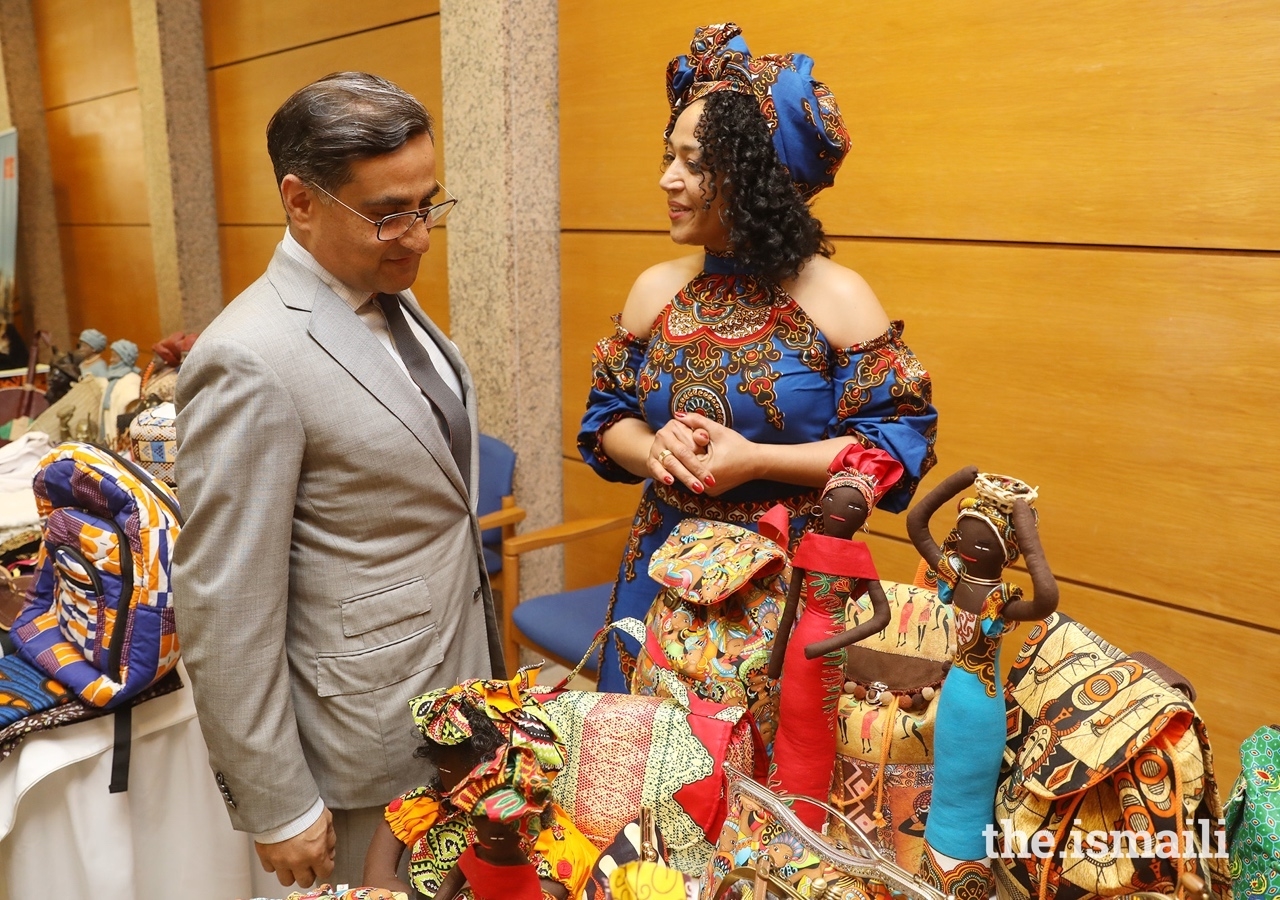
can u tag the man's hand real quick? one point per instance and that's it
(305, 858)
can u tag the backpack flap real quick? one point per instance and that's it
(1099, 748)
(706, 562)
(99, 617)
(1084, 710)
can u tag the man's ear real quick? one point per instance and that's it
(299, 203)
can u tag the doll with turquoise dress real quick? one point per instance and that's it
(991, 531)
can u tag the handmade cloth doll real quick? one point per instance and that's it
(480, 735)
(161, 375)
(88, 353)
(991, 531)
(829, 570)
(123, 386)
(523, 849)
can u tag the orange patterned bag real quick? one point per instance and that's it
(884, 753)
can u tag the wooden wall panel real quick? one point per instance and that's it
(596, 273)
(95, 149)
(111, 286)
(1116, 381)
(1134, 123)
(593, 560)
(240, 29)
(243, 97)
(1122, 384)
(246, 250)
(85, 49)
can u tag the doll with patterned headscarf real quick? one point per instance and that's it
(489, 805)
(991, 531)
(828, 570)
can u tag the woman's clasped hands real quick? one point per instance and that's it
(702, 454)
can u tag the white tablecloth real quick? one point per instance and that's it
(167, 838)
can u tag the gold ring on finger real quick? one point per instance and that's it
(662, 457)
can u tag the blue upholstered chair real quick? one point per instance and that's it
(556, 626)
(495, 504)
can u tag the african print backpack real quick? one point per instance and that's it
(883, 779)
(99, 616)
(1253, 818)
(1107, 786)
(714, 621)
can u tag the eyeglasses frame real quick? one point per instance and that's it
(418, 214)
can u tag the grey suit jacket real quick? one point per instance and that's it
(330, 566)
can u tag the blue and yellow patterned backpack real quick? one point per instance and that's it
(99, 616)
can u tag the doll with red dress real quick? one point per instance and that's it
(828, 570)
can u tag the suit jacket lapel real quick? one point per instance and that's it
(339, 331)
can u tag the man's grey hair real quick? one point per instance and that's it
(326, 126)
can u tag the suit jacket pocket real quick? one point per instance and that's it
(385, 606)
(361, 671)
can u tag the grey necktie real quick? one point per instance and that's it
(450, 413)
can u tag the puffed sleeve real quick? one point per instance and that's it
(616, 363)
(412, 814)
(884, 397)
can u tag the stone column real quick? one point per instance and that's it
(168, 39)
(499, 60)
(42, 295)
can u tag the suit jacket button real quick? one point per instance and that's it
(475, 595)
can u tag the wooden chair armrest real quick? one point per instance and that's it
(560, 534)
(509, 516)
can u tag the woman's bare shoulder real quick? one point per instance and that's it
(654, 289)
(839, 301)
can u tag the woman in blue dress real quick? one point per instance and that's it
(969, 731)
(737, 373)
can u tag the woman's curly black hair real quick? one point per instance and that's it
(771, 230)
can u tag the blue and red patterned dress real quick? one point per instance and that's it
(739, 350)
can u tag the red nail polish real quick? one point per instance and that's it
(679, 414)
(669, 480)
(710, 480)
(697, 488)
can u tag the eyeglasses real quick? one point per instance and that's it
(397, 225)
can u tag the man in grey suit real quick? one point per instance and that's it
(330, 567)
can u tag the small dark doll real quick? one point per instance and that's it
(990, 533)
(425, 819)
(508, 800)
(480, 735)
(829, 570)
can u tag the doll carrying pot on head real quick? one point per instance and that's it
(991, 531)
(828, 570)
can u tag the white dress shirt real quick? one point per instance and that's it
(367, 309)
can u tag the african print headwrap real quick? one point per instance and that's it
(808, 131)
(869, 469)
(519, 717)
(506, 788)
(997, 520)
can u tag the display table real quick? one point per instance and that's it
(63, 835)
